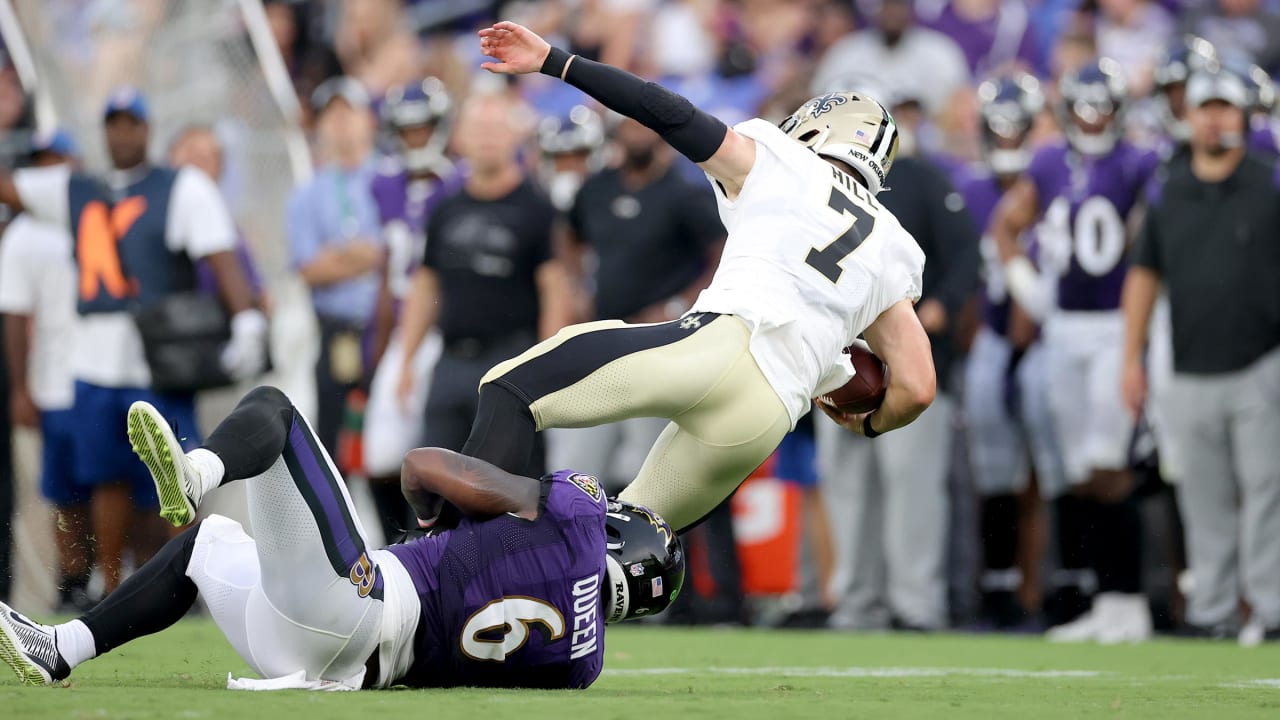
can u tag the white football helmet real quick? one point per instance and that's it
(850, 127)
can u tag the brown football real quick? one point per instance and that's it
(865, 391)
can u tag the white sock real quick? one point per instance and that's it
(75, 642)
(209, 469)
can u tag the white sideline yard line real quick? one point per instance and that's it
(1264, 683)
(860, 672)
(921, 672)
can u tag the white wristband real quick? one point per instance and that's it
(249, 322)
(1026, 287)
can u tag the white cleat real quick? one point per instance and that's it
(1083, 629)
(178, 482)
(30, 649)
(1125, 619)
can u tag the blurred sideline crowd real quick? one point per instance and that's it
(1054, 155)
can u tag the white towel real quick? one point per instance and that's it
(295, 681)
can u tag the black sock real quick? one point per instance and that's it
(156, 596)
(393, 510)
(1075, 532)
(1118, 551)
(74, 582)
(1000, 531)
(70, 583)
(252, 437)
(503, 432)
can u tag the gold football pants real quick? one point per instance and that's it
(697, 371)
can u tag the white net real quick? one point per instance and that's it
(197, 62)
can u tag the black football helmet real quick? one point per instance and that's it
(419, 104)
(582, 130)
(572, 148)
(1257, 83)
(1192, 54)
(1010, 104)
(644, 560)
(1091, 109)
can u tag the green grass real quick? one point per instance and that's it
(181, 674)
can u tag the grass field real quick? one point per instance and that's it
(657, 673)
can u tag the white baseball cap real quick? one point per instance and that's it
(1206, 85)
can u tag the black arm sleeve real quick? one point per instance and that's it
(694, 133)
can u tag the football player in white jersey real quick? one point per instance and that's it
(811, 262)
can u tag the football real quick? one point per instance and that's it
(865, 391)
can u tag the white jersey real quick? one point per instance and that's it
(811, 259)
(38, 278)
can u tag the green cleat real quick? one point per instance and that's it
(30, 649)
(177, 481)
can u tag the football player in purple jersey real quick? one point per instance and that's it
(1083, 191)
(1009, 431)
(511, 586)
(1169, 80)
(410, 181)
(571, 148)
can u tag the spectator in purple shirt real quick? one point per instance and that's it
(993, 34)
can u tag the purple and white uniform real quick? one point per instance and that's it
(1083, 237)
(1086, 202)
(981, 190)
(1008, 426)
(404, 205)
(509, 602)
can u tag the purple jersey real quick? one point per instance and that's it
(404, 203)
(509, 602)
(1264, 135)
(981, 191)
(1086, 204)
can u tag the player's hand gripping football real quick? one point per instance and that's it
(517, 49)
(849, 421)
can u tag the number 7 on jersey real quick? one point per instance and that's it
(827, 260)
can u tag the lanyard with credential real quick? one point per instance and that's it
(349, 224)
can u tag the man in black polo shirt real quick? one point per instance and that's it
(891, 492)
(1210, 239)
(656, 239)
(488, 278)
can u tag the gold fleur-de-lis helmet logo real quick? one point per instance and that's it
(826, 103)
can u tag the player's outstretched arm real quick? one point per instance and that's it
(722, 153)
(473, 486)
(1013, 215)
